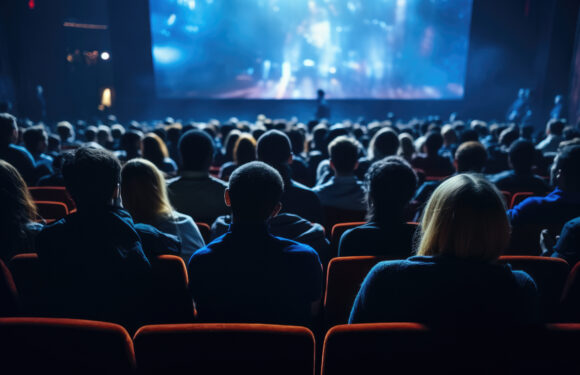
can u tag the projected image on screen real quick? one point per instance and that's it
(287, 49)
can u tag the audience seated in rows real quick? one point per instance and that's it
(155, 150)
(97, 259)
(196, 193)
(454, 280)
(275, 150)
(343, 190)
(145, 197)
(248, 275)
(390, 185)
(17, 226)
(553, 137)
(244, 152)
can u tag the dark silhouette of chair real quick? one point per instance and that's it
(51, 211)
(410, 348)
(550, 276)
(64, 346)
(507, 197)
(335, 215)
(518, 198)
(525, 238)
(9, 301)
(31, 282)
(205, 231)
(570, 303)
(52, 194)
(224, 349)
(343, 280)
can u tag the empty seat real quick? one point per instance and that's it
(343, 280)
(205, 231)
(518, 198)
(8, 293)
(52, 194)
(51, 211)
(64, 346)
(224, 349)
(410, 348)
(550, 276)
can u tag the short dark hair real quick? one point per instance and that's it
(197, 149)
(91, 176)
(567, 161)
(391, 184)
(343, 153)
(255, 188)
(556, 126)
(32, 136)
(274, 148)
(521, 155)
(384, 143)
(7, 126)
(470, 157)
(433, 142)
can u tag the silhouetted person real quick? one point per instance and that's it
(322, 107)
(17, 156)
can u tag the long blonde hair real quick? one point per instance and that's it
(144, 192)
(466, 218)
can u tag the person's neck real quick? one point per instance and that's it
(343, 175)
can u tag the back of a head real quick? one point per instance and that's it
(245, 149)
(64, 130)
(556, 127)
(471, 157)
(33, 136)
(297, 140)
(17, 205)
(197, 149)
(7, 128)
(143, 191)
(91, 176)
(90, 134)
(131, 141)
(449, 134)
(521, 155)
(384, 143)
(255, 189)
(391, 183)
(509, 135)
(343, 153)
(567, 164)
(154, 149)
(433, 142)
(274, 148)
(465, 218)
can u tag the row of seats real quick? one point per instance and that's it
(50, 345)
(559, 288)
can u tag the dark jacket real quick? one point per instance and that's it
(394, 240)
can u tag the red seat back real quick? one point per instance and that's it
(51, 211)
(8, 293)
(518, 198)
(205, 231)
(52, 194)
(224, 349)
(64, 346)
(343, 280)
(570, 304)
(507, 197)
(550, 276)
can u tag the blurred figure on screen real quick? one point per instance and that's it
(322, 107)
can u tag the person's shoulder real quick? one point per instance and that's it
(217, 182)
(501, 176)
(524, 280)
(289, 246)
(173, 181)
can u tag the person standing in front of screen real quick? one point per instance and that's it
(322, 107)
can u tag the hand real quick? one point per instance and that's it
(547, 242)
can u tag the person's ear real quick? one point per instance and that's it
(276, 209)
(356, 166)
(332, 165)
(227, 198)
(455, 164)
(117, 192)
(290, 158)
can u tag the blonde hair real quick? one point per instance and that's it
(144, 191)
(466, 218)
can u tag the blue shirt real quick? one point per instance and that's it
(558, 207)
(248, 275)
(445, 291)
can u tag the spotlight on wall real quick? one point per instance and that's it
(105, 56)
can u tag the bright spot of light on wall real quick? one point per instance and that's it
(105, 55)
(106, 98)
(308, 62)
(166, 55)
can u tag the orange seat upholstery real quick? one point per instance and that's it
(224, 349)
(205, 231)
(570, 304)
(52, 194)
(518, 198)
(335, 215)
(8, 293)
(51, 211)
(343, 280)
(64, 346)
(410, 348)
(550, 276)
